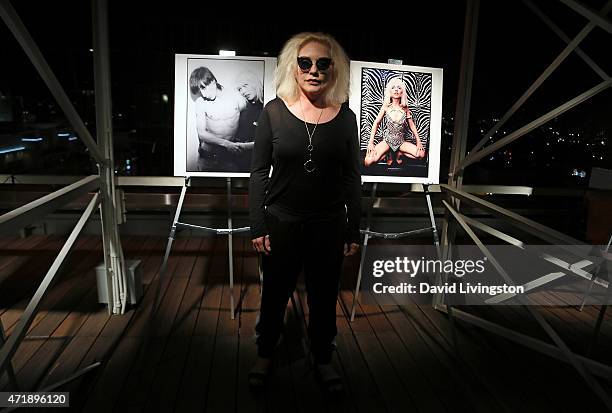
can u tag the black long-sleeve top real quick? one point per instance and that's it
(281, 142)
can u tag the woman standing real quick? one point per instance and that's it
(305, 215)
(395, 109)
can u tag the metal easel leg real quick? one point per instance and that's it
(230, 249)
(162, 270)
(363, 252)
(432, 219)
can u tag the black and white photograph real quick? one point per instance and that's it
(399, 114)
(218, 102)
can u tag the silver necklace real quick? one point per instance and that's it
(309, 165)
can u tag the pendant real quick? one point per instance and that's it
(309, 166)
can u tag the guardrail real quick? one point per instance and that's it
(33, 211)
(585, 366)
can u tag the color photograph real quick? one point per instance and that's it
(399, 111)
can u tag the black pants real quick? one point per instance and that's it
(315, 245)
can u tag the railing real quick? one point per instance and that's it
(456, 195)
(34, 211)
(585, 366)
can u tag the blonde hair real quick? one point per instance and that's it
(286, 84)
(387, 101)
(250, 79)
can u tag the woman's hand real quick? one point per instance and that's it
(262, 244)
(370, 147)
(350, 249)
(419, 149)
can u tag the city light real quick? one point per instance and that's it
(13, 149)
(31, 139)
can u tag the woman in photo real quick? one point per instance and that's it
(398, 116)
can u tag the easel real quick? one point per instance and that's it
(229, 231)
(368, 233)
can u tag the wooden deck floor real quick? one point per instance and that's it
(393, 359)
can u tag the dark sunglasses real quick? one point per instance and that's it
(305, 63)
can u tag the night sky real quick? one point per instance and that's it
(514, 47)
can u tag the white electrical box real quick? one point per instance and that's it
(134, 282)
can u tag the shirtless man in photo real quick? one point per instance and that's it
(217, 114)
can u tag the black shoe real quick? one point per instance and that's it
(329, 379)
(258, 375)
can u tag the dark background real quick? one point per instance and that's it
(514, 47)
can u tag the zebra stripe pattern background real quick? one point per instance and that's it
(418, 88)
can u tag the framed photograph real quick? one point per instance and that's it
(217, 101)
(399, 110)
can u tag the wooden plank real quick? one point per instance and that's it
(43, 359)
(78, 278)
(248, 401)
(436, 332)
(101, 323)
(165, 386)
(114, 347)
(196, 375)
(16, 252)
(221, 395)
(486, 366)
(5, 244)
(415, 384)
(17, 291)
(29, 359)
(379, 366)
(362, 391)
(542, 397)
(309, 396)
(136, 387)
(414, 348)
(281, 392)
(434, 374)
(141, 317)
(56, 307)
(573, 330)
(71, 325)
(208, 315)
(96, 318)
(587, 318)
(108, 385)
(33, 272)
